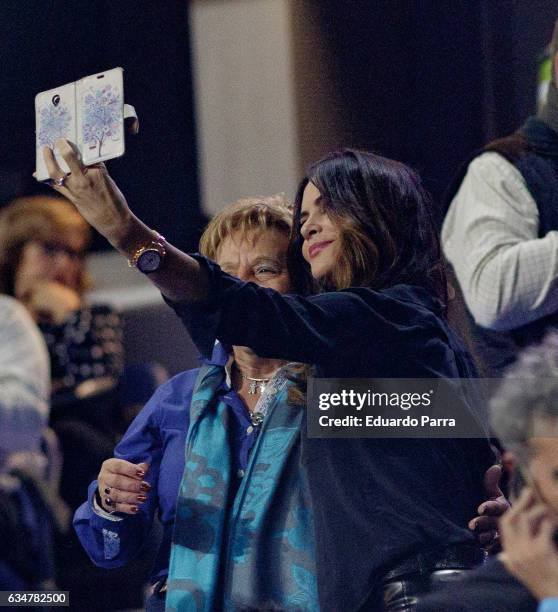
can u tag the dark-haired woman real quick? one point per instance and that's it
(390, 515)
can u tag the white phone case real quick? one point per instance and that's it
(100, 116)
(55, 117)
(89, 113)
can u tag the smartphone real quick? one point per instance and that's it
(89, 113)
(100, 115)
(55, 118)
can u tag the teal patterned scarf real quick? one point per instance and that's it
(259, 553)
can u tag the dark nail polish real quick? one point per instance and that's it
(140, 473)
(142, 498)
(108, 501)
(134, 509)
(145, 486)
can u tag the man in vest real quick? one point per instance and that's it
(500, 235)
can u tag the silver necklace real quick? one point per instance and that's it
(256, 384)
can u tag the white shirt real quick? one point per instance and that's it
(24, 379)
(508, 275)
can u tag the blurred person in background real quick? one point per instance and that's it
(30, 509)
(43, 244)
(24, 380)
(525, 417)
(530, 531)
(500, 236)
(524, 577)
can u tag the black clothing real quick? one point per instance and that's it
(489, 588)
(376, 502)
(87, 346)
(405, 593)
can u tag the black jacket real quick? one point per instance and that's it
(376, 502)
(489, 588)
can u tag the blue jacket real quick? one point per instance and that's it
(157, 436)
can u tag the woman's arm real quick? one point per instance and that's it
(330, 326)
(336, 327)
(101, 203)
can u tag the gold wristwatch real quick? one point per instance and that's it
(149, 257)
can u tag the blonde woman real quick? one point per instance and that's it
(43, 243)
(234, 417)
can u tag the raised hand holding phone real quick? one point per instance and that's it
(91, 190)
(89, 113)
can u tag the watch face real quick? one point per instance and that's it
(149, 261)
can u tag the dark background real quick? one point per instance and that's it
(424, 81)
(47, 43)
(428, 81)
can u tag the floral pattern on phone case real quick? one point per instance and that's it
(54, 122)
(102, 118)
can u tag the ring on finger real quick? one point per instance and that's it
(59, 182)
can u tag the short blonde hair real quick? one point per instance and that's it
(246, 215)
(36, 218)
(253, 215)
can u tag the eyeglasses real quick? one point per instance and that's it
(51, 249)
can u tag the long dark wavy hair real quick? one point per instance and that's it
(387, 227)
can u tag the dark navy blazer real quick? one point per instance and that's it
(376, 502)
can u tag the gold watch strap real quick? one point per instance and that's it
(158, 243)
